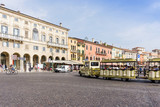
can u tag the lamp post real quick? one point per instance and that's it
(52, 60)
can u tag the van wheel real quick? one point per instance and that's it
(97, 76)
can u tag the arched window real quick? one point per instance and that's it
(57, 40)
(63, 41)
(35, 34)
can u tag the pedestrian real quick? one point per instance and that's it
(144, 71)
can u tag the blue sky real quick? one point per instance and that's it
(123, 23)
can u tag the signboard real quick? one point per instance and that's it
(21, 58)
(138, 57)
(14, 57)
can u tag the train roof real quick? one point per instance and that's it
(118, 60)
(154, 60)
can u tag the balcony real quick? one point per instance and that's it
(57, 45)
(74, 51)
(11, 37)
(100, 53)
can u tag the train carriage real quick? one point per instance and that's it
(154, 70)
(119, 68)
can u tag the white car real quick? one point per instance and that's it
(63, 68)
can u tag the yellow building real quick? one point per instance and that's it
(28, 40)
(72, 48)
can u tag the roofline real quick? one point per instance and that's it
(33, 18)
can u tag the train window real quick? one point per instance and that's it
(94, 63)
(86, 64)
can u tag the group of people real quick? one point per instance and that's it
(3, 68)
(125, 67)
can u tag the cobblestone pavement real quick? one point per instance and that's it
(71, 90)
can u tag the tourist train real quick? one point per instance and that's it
(124, 69)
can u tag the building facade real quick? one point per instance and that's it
(129, 54)
(117, 53)
(28, 40)
(97, 51)
(72, 45)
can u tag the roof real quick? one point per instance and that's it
(154, 60)
(33, 18)
(118, 60)
(107, 46)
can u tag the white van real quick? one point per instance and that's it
(63, 68)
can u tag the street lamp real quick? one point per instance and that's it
(52, 59)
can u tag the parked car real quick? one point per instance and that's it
(63, 68)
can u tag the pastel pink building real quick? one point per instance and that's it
(97, 51)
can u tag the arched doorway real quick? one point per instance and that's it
(43, 59)
(50, 58)
(5, 58)
(57, 58)
(26, 61)
(35, 60)
(16, 62)
(63, 58)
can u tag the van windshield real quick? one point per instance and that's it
(94, 64)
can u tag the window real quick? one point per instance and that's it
(44, 49)
(35, 25)
(62, 33)
(43, 27)
(71, 41)
(43, 38)
(4, 29)
(35, 34)
(26, 22)
(26, 34)
(16, 19)
(91, 48)
(6, 44)
(63, 41)
(50, 29)
(86, 47)
(51, 49)
(57, 50)
(56, 31)
(82, 52)
(4, 16)
(90, 58)
(16, 32)
(98, 50)
(74, 42)
(63, 51)
(26, 46)
(57, 40)
(35, 47)
(50, 39)
(16, 45)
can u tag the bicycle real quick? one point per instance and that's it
(11, 72)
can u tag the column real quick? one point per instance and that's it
(10, 60)
(31, 61)
(0, 59)
(21, 66)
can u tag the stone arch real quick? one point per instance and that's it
(16, 62)
(43, 59)
(57, 58)
(5, 58)
(35, 60)
(63, 58)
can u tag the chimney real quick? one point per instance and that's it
(101, 42)
(60, 24)
(92, 39)
(2, 5)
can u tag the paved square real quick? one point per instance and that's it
(69, 89)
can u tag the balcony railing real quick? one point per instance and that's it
(8, 36)
(74, 51)
(100, 53)
(57, 45)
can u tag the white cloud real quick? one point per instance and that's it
(146, 35)
(155, 5)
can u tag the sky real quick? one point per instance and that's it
(122, 23)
